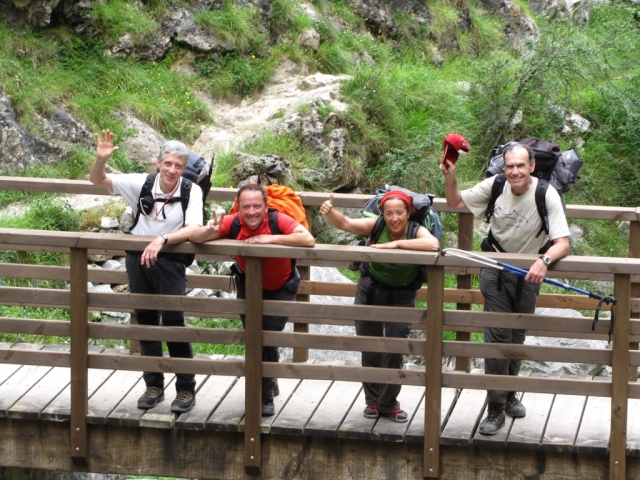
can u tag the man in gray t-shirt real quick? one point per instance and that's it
(514, 226)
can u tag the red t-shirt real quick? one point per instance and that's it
(275, 271)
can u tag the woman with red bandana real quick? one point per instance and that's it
(388, 284)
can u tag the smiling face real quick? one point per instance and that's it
(518, 168)
(396, 216)
(171, 167)
(252, 208)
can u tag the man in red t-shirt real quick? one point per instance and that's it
(280, 278)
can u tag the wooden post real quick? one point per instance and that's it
(301, 355)
(433, 360)
(79, 353)
(619, 378)
(634, 252)
(465, 242)
(253, 366)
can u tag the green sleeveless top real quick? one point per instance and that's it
(393, 274)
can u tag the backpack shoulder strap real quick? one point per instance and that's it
(185, 195)
(378, 228)
(413, 230)
(146, 189)
(273, 222)
(541, 205)
(235, 228)
(496, 191)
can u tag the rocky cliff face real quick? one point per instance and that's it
(291, 87)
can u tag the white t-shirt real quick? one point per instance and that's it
(129, 186)
(516, 222)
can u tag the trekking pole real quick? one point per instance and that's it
(490, 262)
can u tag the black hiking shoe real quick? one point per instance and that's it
(185, 400)
(276, 388)
(514, 408)
(268, 409)
(151, 397)
(494, 420)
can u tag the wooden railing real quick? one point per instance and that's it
(624, 272)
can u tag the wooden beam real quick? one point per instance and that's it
(79, 354)
(433, 380)
(619, 379)
(253, 367)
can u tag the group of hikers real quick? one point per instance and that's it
(515, 227)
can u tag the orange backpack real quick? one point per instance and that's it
(284, 200)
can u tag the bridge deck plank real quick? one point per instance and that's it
(33, 402)
(415, 432)
(109, 395)
(527, 432)
(209, 395)
(410, 398)
(18, 384)
(230, 411)
(464, 418)
(333, 409)
(295, 415)
(560, 434)
(593, 435)
(633, 428)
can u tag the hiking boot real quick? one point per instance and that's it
(494, 420)
(514, 408)
(185, 400)
(276, 388)
(398, 415)
(151, 397)
(268, 409)
(371, 411)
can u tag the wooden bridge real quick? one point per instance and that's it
(72, 407)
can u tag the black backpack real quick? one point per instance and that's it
(559, 168)
(198, 171)
(553, 167)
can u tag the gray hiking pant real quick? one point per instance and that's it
(370, 292)
(504, 292)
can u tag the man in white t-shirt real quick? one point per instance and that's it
(515, 226)
(153, 271)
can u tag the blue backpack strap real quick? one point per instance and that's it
(146, 190)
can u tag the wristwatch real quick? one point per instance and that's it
(165, 237)
(546, 260)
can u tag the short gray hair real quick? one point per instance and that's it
(176, 148)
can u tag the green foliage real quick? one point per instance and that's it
(218, 349)
(118, 18)
(233, 74)
(239, 26)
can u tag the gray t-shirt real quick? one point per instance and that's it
(516, 222)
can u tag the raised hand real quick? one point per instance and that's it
(327, 206)
(215, 223)
(104, 145)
